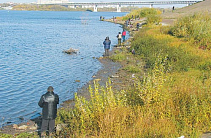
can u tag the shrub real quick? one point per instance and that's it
(2, 135)
(160, 105)
(118, 56)
(153, 19)
(197, 26)
(171, 99)
(132, 69)
(142, 12)
(150, 45)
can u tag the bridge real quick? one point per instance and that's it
(119, 4)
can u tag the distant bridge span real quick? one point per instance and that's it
(118, 4)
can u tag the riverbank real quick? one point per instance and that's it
(110, 69)
(170, 100)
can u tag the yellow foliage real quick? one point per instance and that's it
(161, 103)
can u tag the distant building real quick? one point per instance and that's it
(52, 1)
(7, 8)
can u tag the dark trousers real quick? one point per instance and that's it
(48, 124)
(106, 52)
(123, 37)
(119, 41)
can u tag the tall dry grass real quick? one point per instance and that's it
(196, 27)
(172, 98)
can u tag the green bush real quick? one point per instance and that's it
(150, 47)
(167, 105)
(27, 135)
(133, 69)
(118, 56)
(197, 26)
(142, 12)
(154, 19)
(2, 135)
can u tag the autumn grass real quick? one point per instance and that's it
(160, 105)
(21, 135)
(141, 12)
(152, 15)
(172, 98)
(196, 27)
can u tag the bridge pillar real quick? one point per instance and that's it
(39, 2)
(151, 6)
(118, 8)
(95, 8)
(188, 4)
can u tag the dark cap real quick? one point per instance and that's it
(107, 38)
(50, 89)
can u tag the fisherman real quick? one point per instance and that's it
(119, 36)
(48, 102)
(138, 25)
(107, 45)
(123, 35)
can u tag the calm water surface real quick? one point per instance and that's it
(31, 58)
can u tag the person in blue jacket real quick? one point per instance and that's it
(107, 45)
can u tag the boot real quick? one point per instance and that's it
(50, 135)
(43, 135)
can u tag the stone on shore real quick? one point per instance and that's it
(15, 126)
(23, 127)
(34, 127)
(114, 76)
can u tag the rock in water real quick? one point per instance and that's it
(70, 51)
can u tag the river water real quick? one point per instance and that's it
(31, 58)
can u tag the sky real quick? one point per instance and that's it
(29, 1)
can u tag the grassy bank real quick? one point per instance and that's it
(172, 98)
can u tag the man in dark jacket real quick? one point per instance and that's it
(48, 102)
(107, 44)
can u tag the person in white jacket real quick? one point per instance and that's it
(119, 36)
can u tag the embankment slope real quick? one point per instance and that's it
(170, 17)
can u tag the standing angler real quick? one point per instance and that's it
(107, 44)
(119, 37)
(123, 35)
(48, 102)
